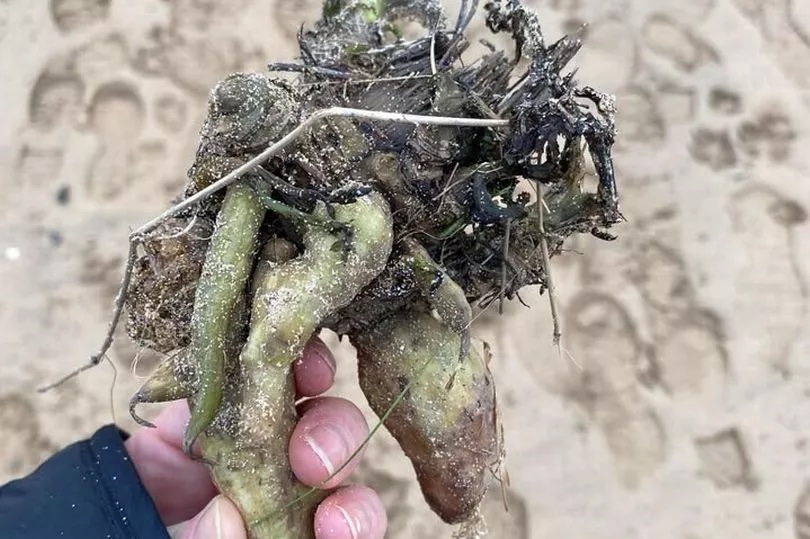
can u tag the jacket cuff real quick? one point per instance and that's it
(89, 489)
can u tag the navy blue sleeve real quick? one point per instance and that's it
(89, 489)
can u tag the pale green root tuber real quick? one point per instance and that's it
(449, 434)
(173, 379)
(223, 282)
(247, 442)
(442, 293)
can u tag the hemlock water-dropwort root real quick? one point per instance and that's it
(377, 195)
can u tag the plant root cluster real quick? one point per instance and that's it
(390, 232)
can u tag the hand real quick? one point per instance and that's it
(329, 431)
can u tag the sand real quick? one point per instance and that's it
(677, 409)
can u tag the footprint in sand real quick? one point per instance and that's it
(54, 110)
(171, 113)
(116, 116)
(73, 15)
(20, 432)
(610, 56)
(193, 61)
(724, 101)
(713, 147)
(725, 461)
(688, 349)
(798, 13)
(769, 134)
(660, 274)
(691, 359)
(603, 340)
(102, 58)
(784, 28)
(37, 167)
(772, 299)
(675, 42)
(199, 47)
(641, 121)
(55, 101)
(801, 514)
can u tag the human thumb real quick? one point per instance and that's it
(219, 520)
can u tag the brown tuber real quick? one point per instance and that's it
(449, 435)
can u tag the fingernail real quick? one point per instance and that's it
(353, 524)
(352, 519)
(331, 444)
(210, 524)
(322, 353)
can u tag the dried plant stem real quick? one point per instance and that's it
(120, 299)
(552, 290)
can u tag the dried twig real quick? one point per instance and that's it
(552, 291)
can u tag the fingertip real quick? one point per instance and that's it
(354, 512)
(327, 435)
(172, 420)
(179, 487)
(171, 425)
(315, 370)
(220, 518)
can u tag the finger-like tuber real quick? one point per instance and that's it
(173, 379)
(222, 283)
(449, 434)
(247, 442)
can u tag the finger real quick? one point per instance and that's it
(219, 519)
(354, 512)
(180, 487)
(328, 433)
(315, 371)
